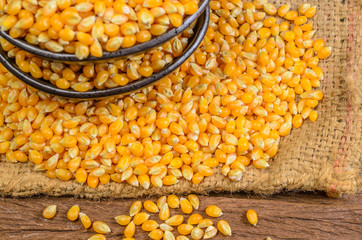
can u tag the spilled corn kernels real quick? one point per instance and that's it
(250, 81)
(89, 28)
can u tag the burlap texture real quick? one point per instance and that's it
(324, 155)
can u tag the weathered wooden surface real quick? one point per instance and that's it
(287, 216)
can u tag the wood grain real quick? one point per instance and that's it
(288, 216)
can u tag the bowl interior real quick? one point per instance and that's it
(45, 86)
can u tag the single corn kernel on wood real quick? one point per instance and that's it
(167, 235)
(185, 229)
(204, 223)
(197, 233)
(194, 219)
(136, 207)
(123, 220)
(150, 206)
(175, 220)
(166, 227)
(97, 237)
(140, 218)
(224, 227)
(73, 213)
(186, 206)
(162, 200)
(213, 211)
(164, 213)
(252, 217)
(149, 225)
(156, 234)
(210, 232)
(101, 227)
(194, 200)
(87, 223)
(50, 211)
(173, 201)
(129, 230)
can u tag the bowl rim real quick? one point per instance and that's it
(120, 53)
(45, 86)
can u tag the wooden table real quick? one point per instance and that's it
(282, 216)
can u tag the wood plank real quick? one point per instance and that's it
(288, 216)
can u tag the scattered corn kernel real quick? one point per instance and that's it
(50, 211)
(213, 211)
(73, 213)
(101, 227)
(86, 222)
(252, 217)
(97, 237)
(224, 227)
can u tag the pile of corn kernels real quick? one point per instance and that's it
(91, 27)
(226, 107)
(197, 226)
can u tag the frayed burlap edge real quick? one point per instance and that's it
(324, 155)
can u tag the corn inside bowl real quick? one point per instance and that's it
(58, 53)
(45, 86)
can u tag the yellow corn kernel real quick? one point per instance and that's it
(224, 228)
(164, 213)
(210, 232)
(173, 201)
(195, 219)
(136, 207)
(123, 220)
(175, 220)
(140, 218)
(194, 200)
(197, 233)
(101, 227)
(73, 213)
(87, 223)
(185, 229)
(50, 211)
(186, 206)
(213, 211)
(150, 206)
(149, 225)
(97, 237)
(129, 230)
(156, 234)
(252, 217)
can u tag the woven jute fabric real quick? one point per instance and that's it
(325, 155)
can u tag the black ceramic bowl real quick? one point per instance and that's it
(45, 86)
(121, 53)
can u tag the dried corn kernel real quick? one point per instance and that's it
(224, 227)
(101, 227)
(73, 213)
(213, 211)
(252, 217)
(87, 223)
(50, 211)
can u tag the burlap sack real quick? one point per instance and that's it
(324, 155)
